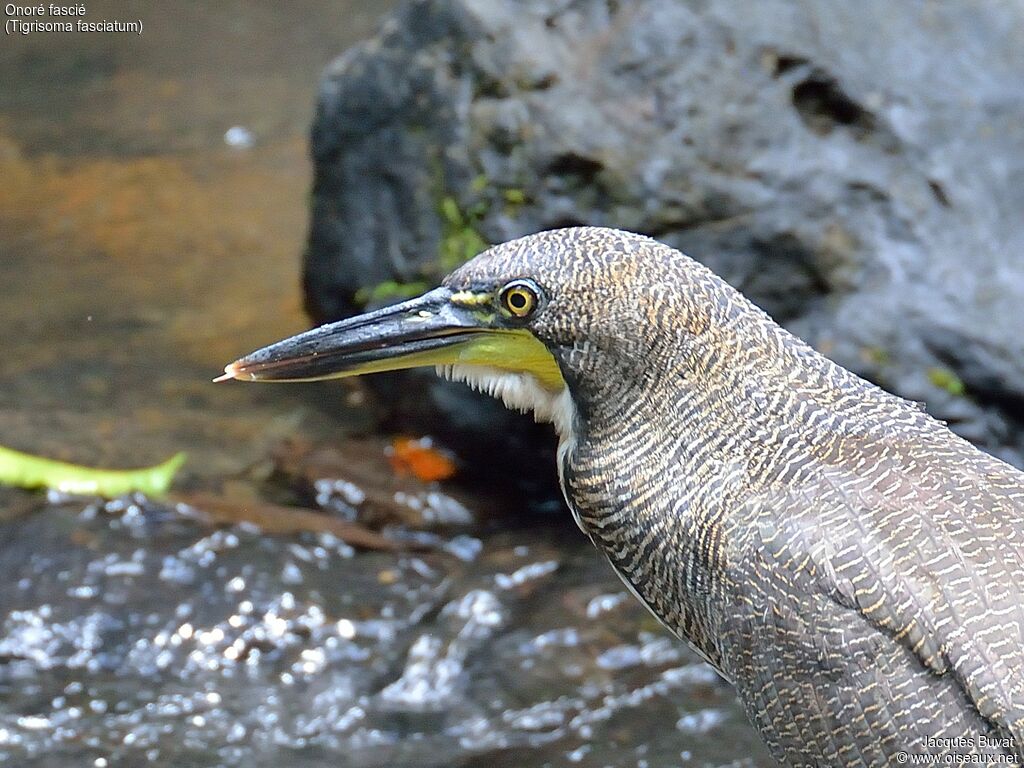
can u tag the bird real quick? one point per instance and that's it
(851, 566)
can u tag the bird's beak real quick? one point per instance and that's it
(427, 331)
(421, 331)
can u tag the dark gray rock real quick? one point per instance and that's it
(855, 168)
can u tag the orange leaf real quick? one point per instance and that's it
(421, 459)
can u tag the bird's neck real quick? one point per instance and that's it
(658, 476)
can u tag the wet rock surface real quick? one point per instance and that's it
(858, 171)
(131, 635)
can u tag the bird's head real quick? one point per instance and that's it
(539, 322)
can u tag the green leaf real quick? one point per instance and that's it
(450, 212)
(943, 378)
(514, 196)
(26, 471)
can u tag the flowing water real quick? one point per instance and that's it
(152, 213)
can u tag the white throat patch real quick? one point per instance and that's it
(521, 392)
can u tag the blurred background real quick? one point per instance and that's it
(380, 573)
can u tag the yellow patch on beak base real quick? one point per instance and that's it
(516, 351)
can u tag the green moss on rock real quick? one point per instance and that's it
(460, 239)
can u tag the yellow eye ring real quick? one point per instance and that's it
(519, 298)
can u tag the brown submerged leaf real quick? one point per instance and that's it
(283, 520)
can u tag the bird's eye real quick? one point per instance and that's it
(519, 298)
